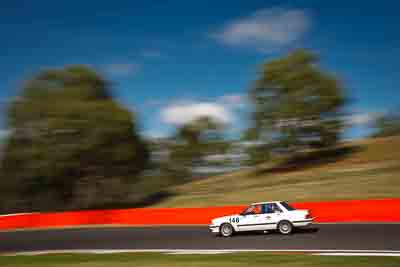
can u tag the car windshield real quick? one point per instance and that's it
(287, 206)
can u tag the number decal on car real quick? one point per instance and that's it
(234, 220)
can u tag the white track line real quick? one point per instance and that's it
(324, 252)
(17, 214)
(357, 254)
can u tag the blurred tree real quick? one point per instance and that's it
(201, 130)
(295, 105)
(194, 141)
(388, 125)
(71, 146)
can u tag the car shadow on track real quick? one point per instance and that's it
(312, 230)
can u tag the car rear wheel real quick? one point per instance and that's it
(226, 230)
(285, 227)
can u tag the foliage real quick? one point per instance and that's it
(258, 154)
(194, 141)
(72, 145)
(388, 125)
(295, 104)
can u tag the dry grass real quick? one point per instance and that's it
(370, 172)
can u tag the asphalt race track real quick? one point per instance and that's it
(326, 236)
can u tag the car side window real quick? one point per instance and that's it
(270, 208)
(249, 210)
(257, 209)
(253, 209)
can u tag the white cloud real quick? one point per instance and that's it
(122, 69)
(155, 134)
(362, 118)
(266, 29)
(233, 99)
(234, 102)
(180, 113)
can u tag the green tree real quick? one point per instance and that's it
(71, 146)
(295, 104)
(388, 125)
(193, 141)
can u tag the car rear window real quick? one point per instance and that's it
(287, 206)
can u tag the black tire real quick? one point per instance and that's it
(285, 227)
(226, 230)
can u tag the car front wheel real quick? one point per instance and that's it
(285, 227)
(226, 230)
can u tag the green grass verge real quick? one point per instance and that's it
(225, 260)
(370, 172)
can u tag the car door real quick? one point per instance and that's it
(270, 217)
(251, 221)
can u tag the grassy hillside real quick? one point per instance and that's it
(370, 170)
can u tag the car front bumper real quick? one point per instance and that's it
(213, 228)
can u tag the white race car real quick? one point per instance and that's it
(263, 216)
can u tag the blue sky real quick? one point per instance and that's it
(172, 60)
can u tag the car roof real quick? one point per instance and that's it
(266, 202)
